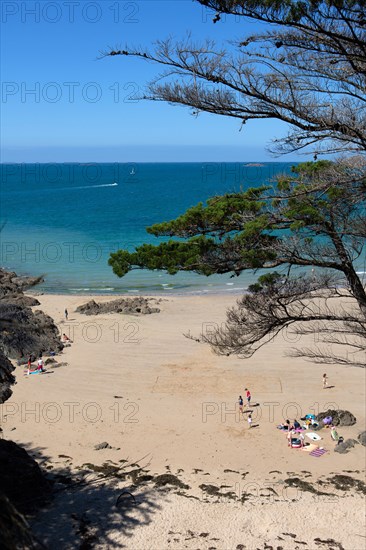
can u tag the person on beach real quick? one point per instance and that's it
(66, 314)
(40, 364)
(29, 364)
(250, 420)
(248, 394)
(296, 424)
(286, 426)
(325, 381)
(241, 403)
(65, 338)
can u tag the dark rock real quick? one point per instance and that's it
(103, 445)
(22, 331)
(339, 418)
(345, 446)
(21, 478)
(6, 378)
(24, 360)
(50, 361)
(362, 438)
(15, 532)
(23, 486)
(20, 300)
(25, 331)
(90, 308)
(129, 306)
(10, 283)
(23, 282)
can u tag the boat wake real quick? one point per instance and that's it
(93, 186)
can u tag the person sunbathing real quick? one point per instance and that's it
(287, 426)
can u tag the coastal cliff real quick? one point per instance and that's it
(22, 332)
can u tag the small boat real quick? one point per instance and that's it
(132, 173)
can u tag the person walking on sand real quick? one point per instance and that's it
(249, 420)
(66, 314)
(325, 381)
(241, 403)
(249, 396)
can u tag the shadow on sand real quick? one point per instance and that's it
(94, 505)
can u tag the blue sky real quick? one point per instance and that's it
(60, 103)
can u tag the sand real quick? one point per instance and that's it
(168, 404)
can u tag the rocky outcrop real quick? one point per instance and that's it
(339, 418)
(6, 378)
(23, 331)
(21, 300)
(21, 479)
(23, 487)
(10, 283)
(15, 532)
(345, 446)
(362, 438)
(130, 306)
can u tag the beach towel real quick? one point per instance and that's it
(318, 452)
(309, 448)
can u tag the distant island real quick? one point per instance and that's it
(253, 164)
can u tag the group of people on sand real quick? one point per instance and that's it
(40, 365)
(241, 405)
(288, 426)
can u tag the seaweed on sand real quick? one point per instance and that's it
(331, 543)
(346, 483)
(169, 479)
(214, 491)
(304, 486)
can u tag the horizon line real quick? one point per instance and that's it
(154, 162)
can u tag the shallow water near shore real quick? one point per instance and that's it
(63, 221)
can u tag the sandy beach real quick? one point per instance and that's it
(169, 405)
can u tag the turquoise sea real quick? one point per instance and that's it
(63, 220)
